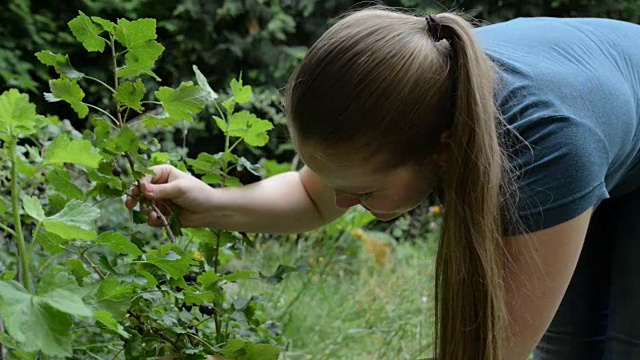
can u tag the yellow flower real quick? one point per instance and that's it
(320, 259)
(435, 209)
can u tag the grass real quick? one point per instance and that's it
(353, 302)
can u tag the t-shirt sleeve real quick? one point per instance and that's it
(560, 173)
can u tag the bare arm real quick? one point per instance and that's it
(286, 203)
(537, 275)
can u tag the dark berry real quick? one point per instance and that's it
(187, 307)
(179, 289)
(190, 278)
(41, 188)
(116, 171)
(206, 310)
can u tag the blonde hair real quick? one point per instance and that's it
(381, 83)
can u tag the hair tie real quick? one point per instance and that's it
(434, 27)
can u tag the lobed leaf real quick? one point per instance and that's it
(60, 63)
(142, 50)
(130, 94)
(241, 93)
(182, 103)
(171, 259)
(78, 151)
(61, 181)
(202, 82)
(87, 32)
(32, 206)
(118, 243)
(40, 322)
(17, 115)
(75, 221)
(69, 91)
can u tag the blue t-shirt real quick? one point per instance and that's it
(571, 89)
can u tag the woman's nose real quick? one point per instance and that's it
(345, 200)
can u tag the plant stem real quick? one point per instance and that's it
(216, 314)
(15, 193)
(93, 266)
(115, 75)
(35, 237)
(102, 111)
(100, 82)
(6, 228)
(165, 223)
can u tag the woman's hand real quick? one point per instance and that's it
(171, 188)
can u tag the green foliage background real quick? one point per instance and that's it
(264, 39)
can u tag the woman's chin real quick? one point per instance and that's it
(385, 216)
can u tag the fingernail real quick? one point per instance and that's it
(148, 188)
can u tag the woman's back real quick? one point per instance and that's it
(571, 89)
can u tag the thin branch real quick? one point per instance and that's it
(93, 266)
(165, 224)
(118, 353)
(7, 229)
(115, 75)
(101, 83)
(102, 111)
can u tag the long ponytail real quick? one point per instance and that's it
(470, 295)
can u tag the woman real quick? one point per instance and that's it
(531, 129)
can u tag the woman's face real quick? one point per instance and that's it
(386, 194)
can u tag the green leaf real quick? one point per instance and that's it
(67, 302)
(61, 181)
(106, 24)
(143, 51)
(243, 163)
(199, 235)
(261, 352)
(242, 94)
(78, 151)
(206, 163)
(132, 33)
(87, 33)
(56, 278)
(33, 323)
(52, 243)
(159, 158)
(125, 141)
(33, 207)
(69, 91)
(17, 115)
(207, 279)
(60, 63)
(182, 103)
(171, 259)
(106, 318)
(78, 270)
(198, 297)
(257, 133)
(75, 221)
(202, 82)
(118, 243)
(130, 94)
(112, 296)
(247, 126)
(141, 59)
(241, 350)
